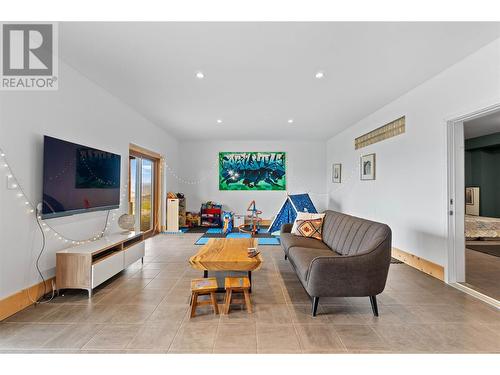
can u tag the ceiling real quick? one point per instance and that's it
(484, 125)
(260, 75)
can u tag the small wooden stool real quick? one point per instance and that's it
(238, 285)
(201, 287)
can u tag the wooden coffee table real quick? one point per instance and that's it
(226, 254)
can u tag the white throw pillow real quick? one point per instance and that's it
(305, 216)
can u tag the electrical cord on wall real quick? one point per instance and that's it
(37, 262)
(37, 266)
(105, 225)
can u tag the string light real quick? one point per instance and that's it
(32, 208)
(48, 228)
(109, 183)
(291, 177)
(191, 182)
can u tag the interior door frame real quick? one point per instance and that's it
(141, 152)
(455, 270)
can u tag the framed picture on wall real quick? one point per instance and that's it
(469, 196)
(252, 170)
(337, 173)
(367, 167)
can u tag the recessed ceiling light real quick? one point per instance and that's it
(200, 75)
(320, 75)
(290, 120)
(219, 121)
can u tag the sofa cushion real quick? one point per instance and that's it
(309, 228)
(301, 257)
(304, 216)
(289, 240)
(350, 235)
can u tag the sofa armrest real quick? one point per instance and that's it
(353, 275)
(286, 228)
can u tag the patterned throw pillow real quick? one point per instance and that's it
(304, 216)
(310, 228)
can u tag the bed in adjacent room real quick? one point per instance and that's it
(482, 234)
(481, 228)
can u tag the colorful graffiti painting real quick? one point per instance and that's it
(252, 171)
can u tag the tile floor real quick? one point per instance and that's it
(482, 272)
(145, 310)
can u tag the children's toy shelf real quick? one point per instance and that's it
(211, 215)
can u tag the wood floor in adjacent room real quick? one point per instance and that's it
(482, 272)
(145, 310)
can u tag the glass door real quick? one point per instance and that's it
(142, 192)
(132, 187)
(147, 196)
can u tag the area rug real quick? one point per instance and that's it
(214, 230)
(202, 241)
(239, 235)
(181, 231)
(263, 237)
(265, 241)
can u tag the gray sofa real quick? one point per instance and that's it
(352, 260)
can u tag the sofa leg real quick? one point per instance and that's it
(373, 301)
(315, 302)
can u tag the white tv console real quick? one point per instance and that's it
(89, 265)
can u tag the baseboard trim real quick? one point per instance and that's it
(420, 264)
(20, 300)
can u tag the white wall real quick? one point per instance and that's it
(409, 193)
(79, 111)
(305, 173)
(410, 190)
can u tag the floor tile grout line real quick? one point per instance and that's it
(90, 339)
(282, 286)
(182, 321)
(216, 333)
(340, 339)
(173, 338)
(272, 275)
(289, 307)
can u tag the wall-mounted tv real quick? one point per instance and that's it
(78, 179)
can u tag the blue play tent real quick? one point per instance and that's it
(288, 212)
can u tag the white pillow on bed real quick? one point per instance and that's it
(305, 216)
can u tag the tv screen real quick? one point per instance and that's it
(78, 179)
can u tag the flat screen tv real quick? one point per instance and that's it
(78, 179)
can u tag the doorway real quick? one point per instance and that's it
(482, 204)
(144, 190)
(474, 204)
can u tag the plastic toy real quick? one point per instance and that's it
(227, 222)
(193, 219)
(253, 218)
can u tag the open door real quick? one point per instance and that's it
(144, 190)
(473, 253)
